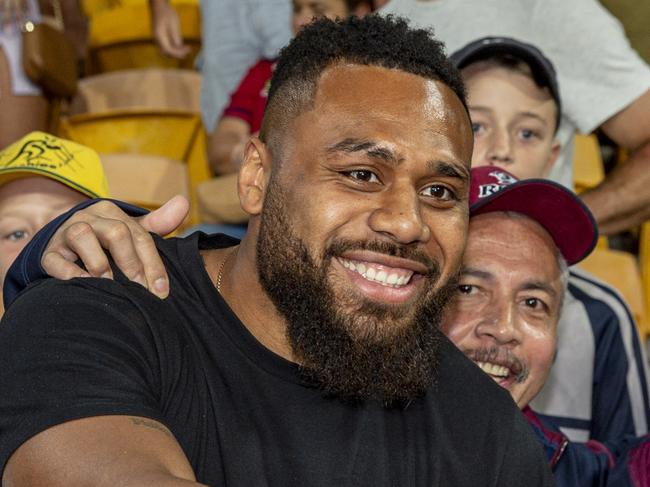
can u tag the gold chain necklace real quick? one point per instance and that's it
(221, 268)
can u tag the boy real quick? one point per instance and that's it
(42, 176)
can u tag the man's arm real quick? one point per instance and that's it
(85, 231)
(167, 29)
(82, 378)
(524, 462)
(101, 451)
(226, 145)
(623, 199)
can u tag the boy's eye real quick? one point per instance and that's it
(363, 175)
(527, 134)
(16, 235)
(477, 128)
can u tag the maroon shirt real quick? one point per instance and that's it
(248, 101)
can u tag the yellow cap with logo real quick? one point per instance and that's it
(41, 154)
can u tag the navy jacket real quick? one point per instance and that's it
(617, 464)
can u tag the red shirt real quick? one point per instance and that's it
(249, 99)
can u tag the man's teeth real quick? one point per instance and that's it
(393, 279)
(494, 370)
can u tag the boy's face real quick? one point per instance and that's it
(26, 205)
(304, 11)
(513, 120)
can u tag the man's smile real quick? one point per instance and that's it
(500, 373)
(382, 277)
(503, 366)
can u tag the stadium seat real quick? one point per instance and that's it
(156, 88)
(620, 270)
(121, 37)
(91, 7)
(171, 134)
(588, 169)
(144, 180)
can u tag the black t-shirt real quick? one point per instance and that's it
(91, 347)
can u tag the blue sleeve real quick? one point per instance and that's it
(622, 463)
(611, 403)
(620, 401)
(27, 269)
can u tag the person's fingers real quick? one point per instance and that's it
(167, 218)
(175, 36)
(170, 39)
(81, 239)
(87, 234)
(134, 252)
(58, 266)
(153, 267)
(163, 40)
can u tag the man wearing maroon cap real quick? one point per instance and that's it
(598, 388)
(504, 316)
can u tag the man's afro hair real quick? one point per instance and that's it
(385, 41)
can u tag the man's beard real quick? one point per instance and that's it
(352, 348)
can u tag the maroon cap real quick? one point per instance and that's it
(564, 216)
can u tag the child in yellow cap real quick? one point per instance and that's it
(42, 176)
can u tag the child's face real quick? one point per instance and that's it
(513, 120)
(26, 205)
(304, 11)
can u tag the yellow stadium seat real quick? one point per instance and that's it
(170, 134)
(91, 7)
(175, 89)
(144, 180)
(620, 270)
(588, 169)
(122, 38)
(644, 261)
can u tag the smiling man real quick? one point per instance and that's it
(504, 315)
(282, 360)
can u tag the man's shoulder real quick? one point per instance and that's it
(466, 387)
(475, 409)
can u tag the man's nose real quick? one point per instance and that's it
(500, 323)
(399, 216)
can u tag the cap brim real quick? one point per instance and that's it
(9, 175)
(553, 206)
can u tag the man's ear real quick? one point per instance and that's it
(254, 176)
(552, 157)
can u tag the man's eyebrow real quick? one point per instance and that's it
(535, 285)
(473, 272)
(453, 169)
(370, 147)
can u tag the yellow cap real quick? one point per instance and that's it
(41, 154)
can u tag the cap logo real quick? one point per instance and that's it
(46, 153)
(502, 180)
